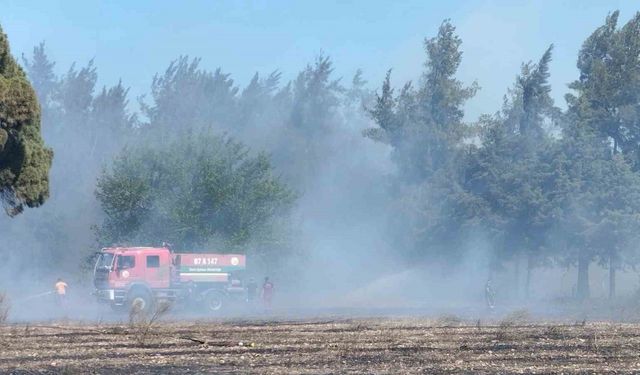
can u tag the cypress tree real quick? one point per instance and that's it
(24, 159)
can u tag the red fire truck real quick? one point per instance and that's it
(144, 276)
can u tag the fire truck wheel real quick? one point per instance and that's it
(140, 300)
(214, 300)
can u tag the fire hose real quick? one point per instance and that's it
(22, 300)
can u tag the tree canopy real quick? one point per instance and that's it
(193, 192)
(209, 162)
(24, 158)
(537, 183)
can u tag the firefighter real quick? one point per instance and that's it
(267, 293)
(489, 295)
(252, 290)
(61, 292)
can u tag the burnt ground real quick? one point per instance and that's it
(334, 346)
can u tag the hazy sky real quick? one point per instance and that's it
(133, 40)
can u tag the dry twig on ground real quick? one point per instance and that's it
(513, 319)
(448, 321)
(141, 323)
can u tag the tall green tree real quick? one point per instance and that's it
(311, 123)
(112, 123)
(40, 72)
(512, 167)
(597, 195)
(606, 98)
(358, 94)
(255, 103)
(425, 126)
(24, 159)
(607, 92)
(188, 98)
(194, 191)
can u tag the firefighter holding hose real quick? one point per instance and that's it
(61, 292)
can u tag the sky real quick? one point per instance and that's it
(133, 40)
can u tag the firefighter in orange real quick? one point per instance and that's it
(61, 292)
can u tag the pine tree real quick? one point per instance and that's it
(425, 126)
(255, 104)
(40, 72)
(607, 97)
(111, 122)
(509, 172)
(597, 196)
(187, 98)
(311, 121)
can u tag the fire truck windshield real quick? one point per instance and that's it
(105, 261)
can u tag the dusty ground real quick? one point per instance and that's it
(380, 346)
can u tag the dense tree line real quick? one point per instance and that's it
(542, 184)
(206, 163)
(217, 168)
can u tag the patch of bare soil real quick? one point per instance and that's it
(381, 346)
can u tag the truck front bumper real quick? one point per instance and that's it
(112, 296)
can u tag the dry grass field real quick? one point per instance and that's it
(336, 346)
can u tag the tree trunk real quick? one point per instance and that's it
(583, 277)
(612, 275)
